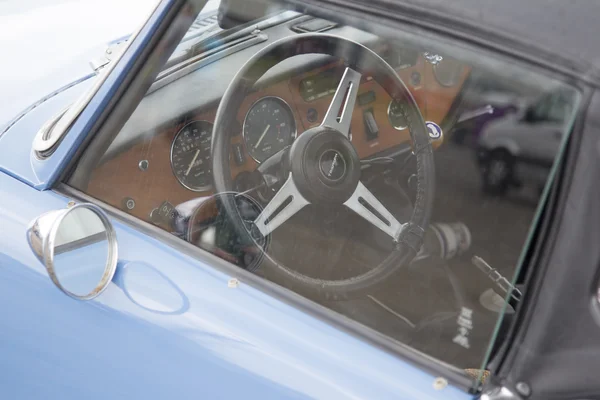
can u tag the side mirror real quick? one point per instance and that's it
(78, 247)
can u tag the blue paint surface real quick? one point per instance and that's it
(168, 326)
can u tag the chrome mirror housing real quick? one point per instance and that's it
(78, 247)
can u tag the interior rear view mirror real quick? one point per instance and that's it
(78, 247)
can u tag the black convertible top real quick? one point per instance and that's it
(566, 27)
(560, 32)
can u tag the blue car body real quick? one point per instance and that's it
(169, 325)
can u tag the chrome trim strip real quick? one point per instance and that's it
(43, 100)
(43, 147)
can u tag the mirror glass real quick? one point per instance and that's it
(81, 252)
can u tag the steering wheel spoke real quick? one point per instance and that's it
(286, 202)
(339, 114)
(323, 162)
(365, 204)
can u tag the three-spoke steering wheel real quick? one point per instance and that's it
(324, 167)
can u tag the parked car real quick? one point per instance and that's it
(257, 202)
(521, 148)
(485, 99)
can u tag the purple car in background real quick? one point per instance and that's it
(484, 100)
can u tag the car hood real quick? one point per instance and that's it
(49, 47)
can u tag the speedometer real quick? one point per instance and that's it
(190, 155)
(269, 126)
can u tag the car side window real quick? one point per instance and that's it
(357, 168)
(560, 110)
(541, 111)
(553, 108)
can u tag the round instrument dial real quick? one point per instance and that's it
(448, 72)
(396, 115)
(269, 126)
(190, 155)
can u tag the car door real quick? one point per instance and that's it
(184, 316)
(169, 326)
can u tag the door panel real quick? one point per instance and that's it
(168, 326)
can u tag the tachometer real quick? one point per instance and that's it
(269, 126)
(448, 72)
(190, 155)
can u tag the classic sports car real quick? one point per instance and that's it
(260, 200)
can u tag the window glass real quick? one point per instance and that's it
(391, 178)
(542, 110)
(561, 109)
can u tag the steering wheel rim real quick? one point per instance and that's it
(357, 58)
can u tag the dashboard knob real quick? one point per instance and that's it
(128, 203)
(143, 165)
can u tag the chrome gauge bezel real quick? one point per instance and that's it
(398, 128)
(285, 103)
(200, 188)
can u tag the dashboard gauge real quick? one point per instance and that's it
(190, 155)
(448, 72)
(396, 115)
(269, 126)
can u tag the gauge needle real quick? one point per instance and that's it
(192, 163)
(262, 136)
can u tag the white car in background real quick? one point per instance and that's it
(520, 148)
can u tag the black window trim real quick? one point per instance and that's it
(536, 261)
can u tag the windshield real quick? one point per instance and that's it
(390, 177)
(205, 25)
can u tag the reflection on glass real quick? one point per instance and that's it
(80, 251)
(504, 126)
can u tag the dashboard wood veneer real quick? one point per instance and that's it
(120, 177)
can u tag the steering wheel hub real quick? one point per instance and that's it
(333, 165)
(325, 166)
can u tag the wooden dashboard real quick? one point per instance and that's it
(121, 182)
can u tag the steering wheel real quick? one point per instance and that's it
(324, 167)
